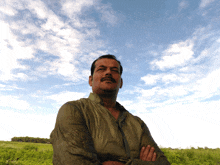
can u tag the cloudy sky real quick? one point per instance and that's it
(170, 52)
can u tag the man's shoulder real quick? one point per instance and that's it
(121, 107)
(134, 117)
(78, 102)
(138, 119)
(73, 107)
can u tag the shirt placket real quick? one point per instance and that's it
(120, 123)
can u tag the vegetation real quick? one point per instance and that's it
(26, 153)
(31, 139)
(193, 156)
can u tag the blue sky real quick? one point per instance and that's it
(169, 50)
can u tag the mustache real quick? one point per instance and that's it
(107, 78)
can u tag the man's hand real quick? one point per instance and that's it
(112, 163)
(148, 154)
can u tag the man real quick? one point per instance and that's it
(98, 130)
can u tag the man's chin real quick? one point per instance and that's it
(109, 91)
(106, 90)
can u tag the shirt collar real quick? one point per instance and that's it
(97, 99)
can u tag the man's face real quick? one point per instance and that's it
(106, 76)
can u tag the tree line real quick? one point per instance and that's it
(31, 139)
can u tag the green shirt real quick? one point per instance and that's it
(86, 133)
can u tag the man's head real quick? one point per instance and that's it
(106, 75)
(109, 56)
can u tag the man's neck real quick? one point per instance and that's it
(109, 101)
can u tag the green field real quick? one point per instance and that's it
(24, 153)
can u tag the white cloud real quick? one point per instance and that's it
(2, 86)
(209, 86)
(172, 125)
(170, 77)
(66, 96)
(12, 51)
(68, 44)
(158, 94)
(193, 89)
(198, 52)
(176, 55)
(107, 14)
(14, 124)
(73, 7)
(167, 78)
(7, 9)
(196, 88)
(13, 5)
(204, 54)
(9, 87)
(173, 92)
(172, 122)
(150, 79)
(125, 103)
(183, 4)
(182, 78)
(92, 56)
(53, 24)
(149, 92)
(205, 3)
(61, 40)
(14, 102)
(65, 65)
(38, 8)
(195, 81)
(25, 27)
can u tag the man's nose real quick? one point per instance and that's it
(108, 71)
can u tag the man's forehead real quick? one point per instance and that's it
(107, 62)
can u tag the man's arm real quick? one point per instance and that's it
(147, 156)
(71, 140)
(112, 163)
(147, 139)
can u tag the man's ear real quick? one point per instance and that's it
(90, 80)
(121, 83)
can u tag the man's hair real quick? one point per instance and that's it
(105, 56)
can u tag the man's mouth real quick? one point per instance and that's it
(108, 79)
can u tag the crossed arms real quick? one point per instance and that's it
(73, 144)
(146, 154)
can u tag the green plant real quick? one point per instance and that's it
(30, 147)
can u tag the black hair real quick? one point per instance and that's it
(105, 56)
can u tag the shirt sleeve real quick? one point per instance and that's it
(71, 140)
(147, 139)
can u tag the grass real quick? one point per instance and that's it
(193, 156)
(23, 153)
(20, 145)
